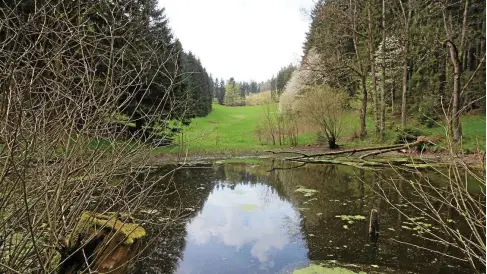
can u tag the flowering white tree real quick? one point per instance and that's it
(310, 72)
(392, 62)
(392, 58)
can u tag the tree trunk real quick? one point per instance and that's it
(404, 89)
(442, 76)
(372, 71)
(362, 71)
(455, 56)
(393, 94)
(383, 80)
(332, 143)
(457, 71)
(363, 110)
(457, 127)
(407, 22)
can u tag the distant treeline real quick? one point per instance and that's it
(233, 93)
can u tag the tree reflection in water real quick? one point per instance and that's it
(247, 219)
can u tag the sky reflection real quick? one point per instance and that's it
(248, 228)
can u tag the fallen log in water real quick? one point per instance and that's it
(330, 157)
(377, 150)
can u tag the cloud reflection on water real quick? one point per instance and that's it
(249, 217)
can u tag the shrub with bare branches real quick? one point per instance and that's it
(323, 107)
(70, 69)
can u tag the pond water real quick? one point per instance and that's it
(243, 228)
(237, 217)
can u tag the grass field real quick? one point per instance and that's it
(226, 130)
(230, 130)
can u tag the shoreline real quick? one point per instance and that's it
(474, 160)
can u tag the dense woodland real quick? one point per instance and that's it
(143, 30)
(234, 93)
(409, 59)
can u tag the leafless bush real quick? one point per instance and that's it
(62, 83)
(291, 127)
(277, 127)
(270, 123)
(323, 107)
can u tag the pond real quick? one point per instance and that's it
(240, 217)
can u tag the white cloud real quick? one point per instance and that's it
(225, 220)
(245, 39)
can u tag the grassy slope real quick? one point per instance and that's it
(226, 130)
(230, 130)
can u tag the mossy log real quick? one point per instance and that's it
(360, 161)
(106, 242)
(375, 150)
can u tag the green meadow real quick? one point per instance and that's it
(231, 130)
(228, 130)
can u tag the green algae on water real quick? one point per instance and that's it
(307, 192)
(249, 207)
(320, 269)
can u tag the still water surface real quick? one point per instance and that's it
(243, 229)
(241, 218)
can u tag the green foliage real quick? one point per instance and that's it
(283, 77)
(427, 113)
(407, 135)
(323, 107)
(162, 53)
(220, 92)
(233, 96)
(198, 85)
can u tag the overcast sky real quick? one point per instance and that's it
(245, 39)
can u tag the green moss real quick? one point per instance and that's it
(92, 223)
(351, 217)
(239, 192)
(249, 207)
(55, 262)
(319, 269)
(307, 192)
